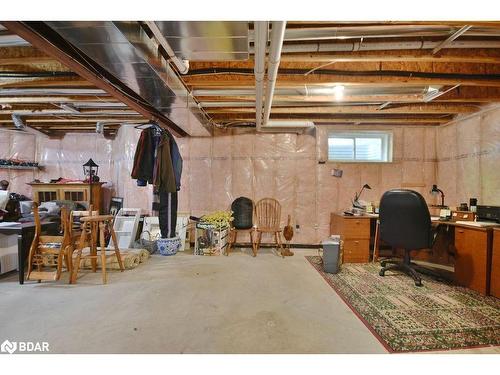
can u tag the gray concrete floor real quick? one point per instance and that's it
(190, 304)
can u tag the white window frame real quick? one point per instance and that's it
(385, 135)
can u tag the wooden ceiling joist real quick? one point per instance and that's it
(50, 120)
(399, 109)
(325, 80)
(51, 99)
(490, 56)
(349, 120)
(475, 70)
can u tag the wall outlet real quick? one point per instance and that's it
(337, 172)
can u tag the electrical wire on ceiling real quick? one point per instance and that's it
(368, 73)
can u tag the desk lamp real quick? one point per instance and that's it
(436, 190)
(358, 195)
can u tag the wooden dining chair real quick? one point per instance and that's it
(47, 253)
(268, 220)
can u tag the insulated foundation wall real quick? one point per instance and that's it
(286, 166)
(238, 163)
(468, 159)
(59, 157)
(17, 145)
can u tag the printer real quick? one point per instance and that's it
(488, 213)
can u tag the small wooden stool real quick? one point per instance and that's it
(91, 226)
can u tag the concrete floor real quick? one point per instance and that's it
(190, 304)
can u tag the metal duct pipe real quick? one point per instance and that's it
(277, 36)
(357, 46)
(20, 125)
(261, 30)
(181, 65)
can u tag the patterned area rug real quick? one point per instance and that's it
(406, 318)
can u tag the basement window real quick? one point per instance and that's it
(360, 146)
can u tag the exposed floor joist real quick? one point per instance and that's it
(386, 85)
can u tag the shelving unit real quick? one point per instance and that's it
(20, 167)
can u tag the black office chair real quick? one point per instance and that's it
(405, 223)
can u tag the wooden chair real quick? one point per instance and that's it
(233, 232)
(92, 226)
(47, 253)
(268, 220)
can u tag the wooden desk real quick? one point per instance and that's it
(471, 256)
(25, 233)
(355, 232)
(495, 264)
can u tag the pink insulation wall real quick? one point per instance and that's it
(285, 166)
(60, 157)
(22, 146)
(413, 167)
(238, 162)
(468, 156)
(123, 156)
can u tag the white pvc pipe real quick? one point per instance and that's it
(374, 46)
(181, 65)
(277, 37)
(261, 31)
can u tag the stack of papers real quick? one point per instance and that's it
(9, 224)
(479, 223)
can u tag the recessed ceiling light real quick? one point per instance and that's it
(338, 91)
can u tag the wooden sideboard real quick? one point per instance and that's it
(354, 231)
(77, 192)
(495, 265)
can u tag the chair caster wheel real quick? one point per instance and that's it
(418, 283)
(383, 263)
(381, 273)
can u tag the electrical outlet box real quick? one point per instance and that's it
(337, 172)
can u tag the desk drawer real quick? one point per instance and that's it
(356, 229)
(471, 259)
(356, 251)
(495, 265)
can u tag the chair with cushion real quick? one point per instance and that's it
(242, 209)
(405, 223)
(268, 220)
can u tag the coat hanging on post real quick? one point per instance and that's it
(163, 170)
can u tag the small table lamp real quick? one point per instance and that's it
(358, 195)
(436, 190)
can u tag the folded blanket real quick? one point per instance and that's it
(142, 253)
(131, 258)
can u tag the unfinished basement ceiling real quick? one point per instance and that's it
(192, 76)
